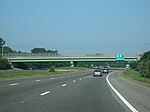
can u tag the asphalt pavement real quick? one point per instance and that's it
(77, 92)
(136, 94)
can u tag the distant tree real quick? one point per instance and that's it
(52, 69)
(51, 51)
(42, 50)
(146, 56)
(19, 52)
(4, 65)
(143, 66)
(38, 50)
(133, 65)
(8, 50)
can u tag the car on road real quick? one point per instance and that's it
(105, 70)
(97, 73)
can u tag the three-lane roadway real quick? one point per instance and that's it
(76, 92)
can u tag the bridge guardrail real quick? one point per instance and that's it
(38, 55)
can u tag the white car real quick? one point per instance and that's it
(97, 73)
(105, 70)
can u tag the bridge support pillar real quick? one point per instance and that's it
(73, 63)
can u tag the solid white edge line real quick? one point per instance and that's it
(120, 96)
(13, 84)
(47, 92)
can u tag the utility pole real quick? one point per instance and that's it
(2, 51)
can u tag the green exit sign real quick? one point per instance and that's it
(119, 57)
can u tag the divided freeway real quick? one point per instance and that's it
(76, 92)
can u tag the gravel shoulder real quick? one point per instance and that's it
(137, 95)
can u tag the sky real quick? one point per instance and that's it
(76, 26)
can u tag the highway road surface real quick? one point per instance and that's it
(76, 92)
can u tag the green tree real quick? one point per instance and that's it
(4, 65)
(52, 69)
(8, 50)
(42, 50)
(143, 65)
(146, 56)
(38, 50)
(51, 51)
(134, 65)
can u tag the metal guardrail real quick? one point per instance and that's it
(44, 55)
(30, 55)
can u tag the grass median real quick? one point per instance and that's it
(135, 76)
(39, 73)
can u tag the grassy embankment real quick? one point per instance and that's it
(39, 73)
(135, 76)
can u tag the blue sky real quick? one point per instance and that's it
(104, 26)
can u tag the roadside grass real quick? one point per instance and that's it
(135, 76)
(71, 69)
(39, 73)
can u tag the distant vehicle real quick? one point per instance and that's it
(97, 73)
(105, 70)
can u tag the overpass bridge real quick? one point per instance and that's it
(46, 57)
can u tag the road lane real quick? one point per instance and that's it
(91, 94)
(27, 90)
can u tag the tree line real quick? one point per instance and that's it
(143, 65)
(5, 65)
(3, 62)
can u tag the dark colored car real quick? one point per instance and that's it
(97, 73)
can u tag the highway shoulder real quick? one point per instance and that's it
(136, 94)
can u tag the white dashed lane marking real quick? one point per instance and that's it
(80, 79)
(45, 93)
(37, 80)
(64, 85)
(13, 84)
(74, 81)
(52, 78)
